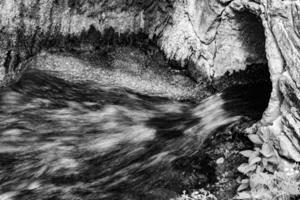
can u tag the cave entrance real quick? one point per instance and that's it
(250, 78)
(250, 98)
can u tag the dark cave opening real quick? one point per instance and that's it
(253, 84)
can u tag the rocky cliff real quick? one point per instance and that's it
(209, 38)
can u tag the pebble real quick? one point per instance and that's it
(220, 161)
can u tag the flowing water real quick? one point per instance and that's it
(86, 141)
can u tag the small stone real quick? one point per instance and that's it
(220, 161)
(2, 73)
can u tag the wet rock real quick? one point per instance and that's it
(125, 67)
(220, 161)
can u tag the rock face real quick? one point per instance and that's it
(198, 33)
(281, 21)
(208, 37)
(125, 67)
(214, 37)
(29, 26)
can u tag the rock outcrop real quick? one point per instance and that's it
(29, 26)
(213, 38)
(281, 22)
(200, 34)
(208, 37)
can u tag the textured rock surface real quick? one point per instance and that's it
(235, 40)
(125, 67)
(213, 37)
(200, 34)
(282, 20)
(209, 37)
(29, 26)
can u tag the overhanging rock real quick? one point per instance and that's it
(213, 37)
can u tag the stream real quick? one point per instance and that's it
(64, 140)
